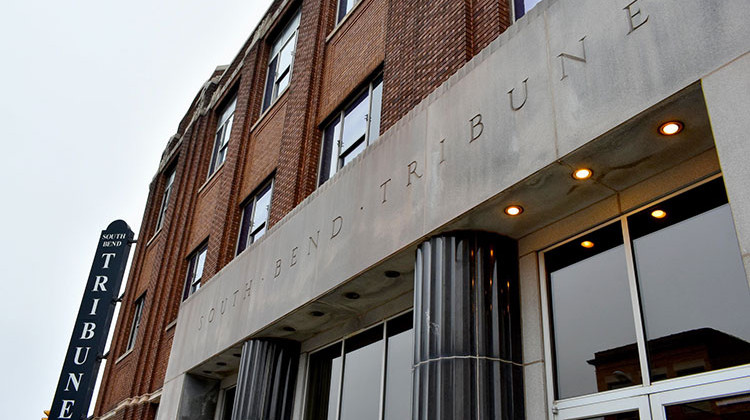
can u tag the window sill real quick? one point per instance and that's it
(271, 109)
(153, 237)
(211, 178)
(124, 355)
(170, 325)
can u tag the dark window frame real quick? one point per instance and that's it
(275, 75)
(248, 232)
(334, 154)
(166, 195)
(136, 322)
(225, 121)
(196, 267)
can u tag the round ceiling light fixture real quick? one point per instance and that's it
(587, 244)
(582, 173)
(658, 214)
(670, 128)
(513, 210)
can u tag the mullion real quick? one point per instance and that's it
(640, 331)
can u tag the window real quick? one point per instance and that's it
(223, 130)
(136, 322)
(345, 379)
(281, 62)
(255, 216)
(227, 405)
(658, 294)
(521, 7)
(196, 262)
(165, 199)
(351, 130)
(345, 6)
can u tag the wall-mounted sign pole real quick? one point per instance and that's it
(76, 385)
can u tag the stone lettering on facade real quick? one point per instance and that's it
(525, 96)
(635, 17)
(580, 59)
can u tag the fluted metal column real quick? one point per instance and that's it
(265, 386)
(467, 337)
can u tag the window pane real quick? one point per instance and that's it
(355, 121)
(353, 153)
(725, 408)
(200, 264)
(270, 81)
(594, 330)
(262, 205)
(377, 103)
(344, 7)
(333, 393)
(523, 6)
(282, 84)
(247, 217)
(285, 56)
(228, 403)
(330, 153)
(398, 375)
(324, 384)
(695, 296)
(360, 395)
(630, 415)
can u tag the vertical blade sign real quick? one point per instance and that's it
(76, 385)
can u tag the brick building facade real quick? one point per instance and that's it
(260, 150)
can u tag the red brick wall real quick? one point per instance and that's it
(418, 44)
(353, 53)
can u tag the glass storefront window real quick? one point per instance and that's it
(660, 293)
(592, 314)
(694, 292)
(345, 379)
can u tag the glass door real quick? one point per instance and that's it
(636, 408)
(726, 400)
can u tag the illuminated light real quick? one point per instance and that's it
(587, 244)
(513, 210)
(659, 214)
(670, 128)
(583, 173)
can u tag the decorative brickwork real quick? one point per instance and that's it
(417, 44)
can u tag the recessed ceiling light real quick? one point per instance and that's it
(351, 295)
(513, 210)
(582, 173)
(670, 128)
(392, 274)
(221, 363)
(317, 313)
(289, 329)
(587, 244)
(659, 214)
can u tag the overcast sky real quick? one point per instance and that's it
(91, 92)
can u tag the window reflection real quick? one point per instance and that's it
(592, 312)
(734, 407)
(521, 7)
(346, 378)
(694, 291)
(360, 396)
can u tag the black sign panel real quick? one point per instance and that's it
(73, 394)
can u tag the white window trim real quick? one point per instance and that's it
(726, 381)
